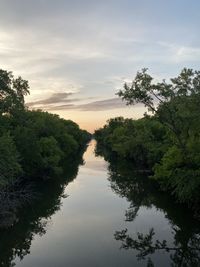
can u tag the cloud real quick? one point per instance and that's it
(92, 48)
(100, 105)
(61, 101)
(53, 99)
(107, 104)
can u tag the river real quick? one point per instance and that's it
(106, 215)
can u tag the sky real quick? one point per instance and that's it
(77, 54)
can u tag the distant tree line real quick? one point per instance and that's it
(166, 142)
(33, 144)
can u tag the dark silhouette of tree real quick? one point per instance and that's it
(186, 255)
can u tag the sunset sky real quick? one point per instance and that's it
(77, 54)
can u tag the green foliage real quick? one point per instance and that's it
(170, 102)
(10, 168)
(42, 140)
(29, 127)
(179, 176)
(50, 154)
(12, 92)
(142, 141)
(168, 142)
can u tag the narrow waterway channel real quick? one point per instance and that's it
(96, 224)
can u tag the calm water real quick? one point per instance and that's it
(94, 221)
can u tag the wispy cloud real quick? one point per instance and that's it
(93, 47)
(107, 104)
(100, 105)
(63, 101)
(53, 99)
(181, 53)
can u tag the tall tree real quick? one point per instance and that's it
(168, 101)
(12, 92)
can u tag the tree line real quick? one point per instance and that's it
(33, 144)
(166, 141)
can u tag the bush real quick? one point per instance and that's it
(10, 168)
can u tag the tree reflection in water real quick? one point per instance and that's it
(129, 183)
(15, 241)
(180, 254)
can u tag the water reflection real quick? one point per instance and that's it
(82, 233)
(33, 219)
(183, 246)
(181, 253)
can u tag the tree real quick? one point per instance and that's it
(175, 105)
(141, 141)
(10, 168)
(166, 100)
(50, 156)
(12, 92)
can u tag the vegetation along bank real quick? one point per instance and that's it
(166, 141)
(34, 145)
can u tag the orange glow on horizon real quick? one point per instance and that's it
(92, 120)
